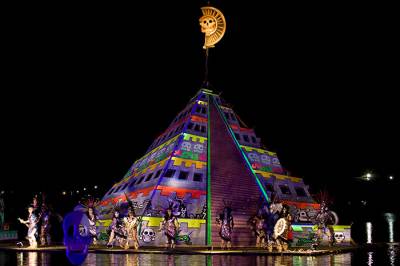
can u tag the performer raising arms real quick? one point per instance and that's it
(31, 223)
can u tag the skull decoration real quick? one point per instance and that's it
(275, 160)
(302, 216)
(76, 236)
(198, 148)
(208, 25)
(147, 235)
(339, 237)
(253, 157)
(265, 159)
(186, 146)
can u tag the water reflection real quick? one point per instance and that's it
(386, 256)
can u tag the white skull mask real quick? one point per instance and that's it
(198, 148)
(148, 235)
(265, 159)
(186, 146)
(253, 157)
(208, 25)
(339, 237)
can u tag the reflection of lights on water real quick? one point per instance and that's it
(369, 232)
(392, 255)
(32, 258)
(390, 218)
(20, 258)
(370, 258)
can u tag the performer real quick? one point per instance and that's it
(31, 223)
(131, 223)
(225, 221)
(92, 217)
(324, 221)
(283, 229)
(257, 223)
(170, 225)
(117, 231)
(45, 238)
(88, 205)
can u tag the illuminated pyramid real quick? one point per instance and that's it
(204, 157)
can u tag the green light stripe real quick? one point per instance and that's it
(208, 174)
(243, 154)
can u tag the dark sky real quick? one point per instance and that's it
(87, 89)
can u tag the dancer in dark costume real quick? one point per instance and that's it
(225, 221)
(325, 219)
(170, 225)
(45, 237)
(117, 230)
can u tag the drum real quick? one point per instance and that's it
(281, 228)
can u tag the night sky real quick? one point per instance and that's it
(87, 91)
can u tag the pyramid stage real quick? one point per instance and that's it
(206, 158)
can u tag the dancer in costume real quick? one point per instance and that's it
(92, 217)
(170, 225)
(88, 205)
(131, 223)
(257, 224)
(324, 221)
(225, 221)
(31, 223)
(117, 230)
(283, 229)
(45, 238)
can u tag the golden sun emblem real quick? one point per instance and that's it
(213, 25)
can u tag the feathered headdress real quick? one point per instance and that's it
(131, 208)
(324, 198)
(89, 203)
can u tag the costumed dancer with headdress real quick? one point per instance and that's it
(88, 206)
(131, 223)
(170, 225)
(324, 221)
(225, 221)
(117, 230)
(31, 223)
(283, 229)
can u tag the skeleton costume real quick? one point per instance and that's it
(225, 221)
